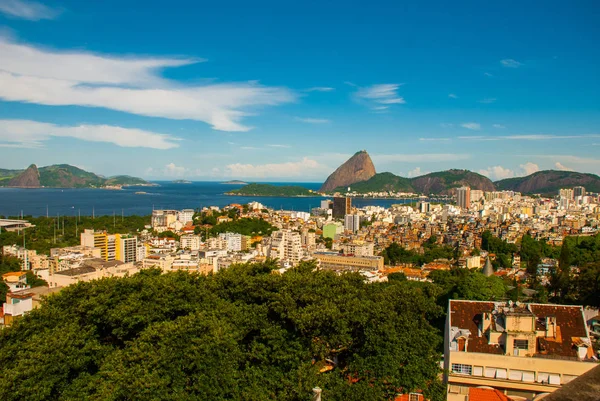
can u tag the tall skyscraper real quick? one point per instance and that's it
(341, 207)
(578, 191)
(463, 197)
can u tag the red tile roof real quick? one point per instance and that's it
(486, 394)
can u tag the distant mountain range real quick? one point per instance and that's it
(63, 176)
(359, 174)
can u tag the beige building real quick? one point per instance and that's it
(338, 262)
(286, 245)
(523, 350)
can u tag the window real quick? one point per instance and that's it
(462, 369)
(415, 397)
(521, 344)
(477, 370)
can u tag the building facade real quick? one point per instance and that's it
(463, 197)
(341, 207)
(519, 349)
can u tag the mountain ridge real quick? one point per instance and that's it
(63, 176)
(358, 168)
(550, 181)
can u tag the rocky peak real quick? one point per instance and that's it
(356, 169)
(30, 178)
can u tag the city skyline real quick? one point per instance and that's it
(274, 93)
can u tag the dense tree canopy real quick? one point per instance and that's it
(243, 334)
(394, 254)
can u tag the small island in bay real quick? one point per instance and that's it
(234, 182)
(272, 190)
(181, 182)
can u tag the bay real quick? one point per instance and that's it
(168, 195)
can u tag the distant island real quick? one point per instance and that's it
(65, 176)
(181, 182)
(234, 182)
(272, 190)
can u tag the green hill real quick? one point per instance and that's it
(380, 182)
(550, 181)
(445, 182)
(272, 190)
(62, 176)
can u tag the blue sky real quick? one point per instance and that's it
(272, 90)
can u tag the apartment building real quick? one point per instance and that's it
(522, 350)
(126, 248)
(286, 245)
(191, 242)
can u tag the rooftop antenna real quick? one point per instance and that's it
(46, 211)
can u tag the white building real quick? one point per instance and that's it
(286, 245)
(233, 241)
(364, 249)
(191, 242)
(185, 216)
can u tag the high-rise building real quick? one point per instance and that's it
(125, 248)
(286, 245)
(96, 239)
(578, 191)
(233, 241)
(566, 193)
(185, 216)
(463, 197)
(341, 207)
(352, 222)
(423, 207)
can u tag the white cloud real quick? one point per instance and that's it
(132, 85)
(319, 89)
(376, 95)
(452, 96)
(446, 125)
(279, 146)
(497, 173)
(172, 170)
(249, 147)
(420, 158)
(529, 168)
(487, 74)
(312, 120)
(510, 63)
(500, 173)
(305, 167)
(498, 126)
(416, 172)
(473, 126)
(487, 100)
(562, 167)
(29, 10)
(29, 134)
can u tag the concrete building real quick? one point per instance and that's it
(352, 222)
(463, 197)
(185, 216)
(476, 195)
(164, 220)
(141, 251)
(423, 207)
(233, 241)
(19, 303)
(578, 191)
(191, 242)
(341, 207)
(474, 262)
(308, 239)
(286, 245)
(338, 262)
(126, 248)
(363, 249)
(566, 193)
(521, 350)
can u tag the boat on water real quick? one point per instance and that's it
(141, 193)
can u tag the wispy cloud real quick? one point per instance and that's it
(510, 63)
(487, 100)
(446, 125)
(472, 126)
(32, 134)
(320, 89)
(128, 84)
(452, 96)
(498, 126)
(29, 10)
(278, 146)
(173, 170)
(379, 97)
(249, 148)
(304, 167)
(423, 158)
(487, 74)
(312, 120)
